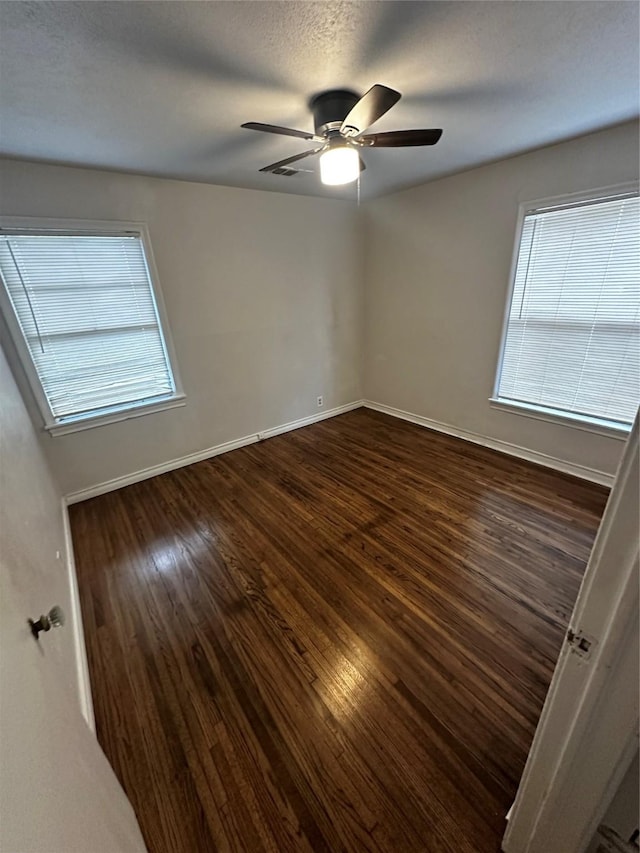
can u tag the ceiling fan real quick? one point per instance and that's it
(340, 120)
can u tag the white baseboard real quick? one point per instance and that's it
(311, 419)
(80, 649)
(582, 471)
(208, 453)
(155, 470)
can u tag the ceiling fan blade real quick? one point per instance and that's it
(371, 106)
(288, 160)
(284, 131)
(363, 165)
(401, 138)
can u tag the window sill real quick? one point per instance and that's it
(540, 413)
(113, 417)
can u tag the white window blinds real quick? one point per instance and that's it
(86, 309)
(573, 332)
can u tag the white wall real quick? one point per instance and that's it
(264, 297)
(437, 275)
(273, 300)
(57, 791)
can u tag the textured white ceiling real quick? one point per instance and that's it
(162, 87)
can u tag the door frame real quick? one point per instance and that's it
(587, 735)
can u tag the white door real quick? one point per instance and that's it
(588, 732)
(58, 794)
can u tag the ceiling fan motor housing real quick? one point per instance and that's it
(331, 108)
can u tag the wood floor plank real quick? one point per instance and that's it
(339, 639)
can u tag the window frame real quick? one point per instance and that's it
(601, 426)
(95, 227)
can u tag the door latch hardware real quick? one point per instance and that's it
(582, 644)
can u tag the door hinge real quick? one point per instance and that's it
(582, 644)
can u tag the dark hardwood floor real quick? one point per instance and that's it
(339, 639)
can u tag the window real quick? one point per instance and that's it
(571, 345)
(85, 318)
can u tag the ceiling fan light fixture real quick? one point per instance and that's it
(339, 164)
(340, 120)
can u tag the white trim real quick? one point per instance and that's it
(163, 318)
(124, 414)
(156, 470)
(573, 199)
(80, 649)
(542, 413)
(310, 419)
(582, 471)
(54, 224)
(515, 254)
(198, 456)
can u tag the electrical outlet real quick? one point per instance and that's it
(320, 402)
